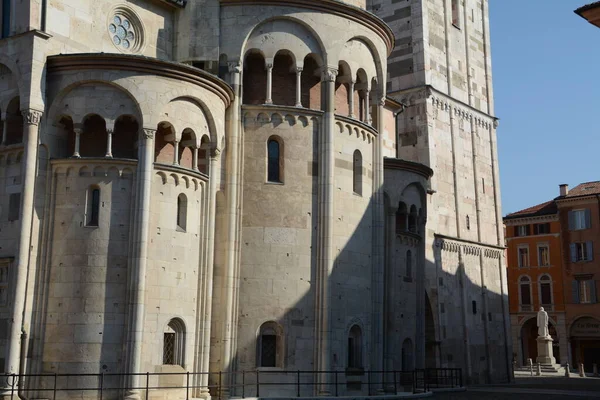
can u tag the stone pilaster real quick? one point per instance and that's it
(325, 257)
(140, 257)
(17, 332)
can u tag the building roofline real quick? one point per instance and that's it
(587, 7)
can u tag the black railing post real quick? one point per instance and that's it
(369, 382)
(243, 384)
(220, 384)
(101, 384)
(395, 384)
(147, 384)
(187, 386)
(336, 383)
(12, 387)
(55, 383)
(298, 382)
(414, 381)
(257, 383)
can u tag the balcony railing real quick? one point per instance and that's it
(255, 383)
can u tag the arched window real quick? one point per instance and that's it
(409, 264)
(355, 347)
(468, 223)
(93, 206)
(545, 291)
(525, 292)
(274, 161)
(357, 172)
(270, 346)
(412, 219)
(402, 218)
(181, 212)
(407, 355)
(174, 343)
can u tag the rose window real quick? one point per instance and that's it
(122, 32)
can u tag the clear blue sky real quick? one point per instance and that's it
(546, 70)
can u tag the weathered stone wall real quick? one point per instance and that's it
(87, 291)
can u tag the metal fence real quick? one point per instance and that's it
(255, 383)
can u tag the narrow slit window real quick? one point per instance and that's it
(93, 207)
(182, 212)
(5, 20)
(357, 172)
(274, 161)
(14, 206)
(455, 14)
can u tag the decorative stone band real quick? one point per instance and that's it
(31, 117)
(470, 248)
(409, 239)
(511, 221)
(442, 102)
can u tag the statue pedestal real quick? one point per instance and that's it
(544, 347)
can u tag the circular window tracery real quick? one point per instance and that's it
(125, 30)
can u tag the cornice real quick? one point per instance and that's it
(583, 198)
(334, 7)
(396, 163)
(533, 219)
(454, 245)
(144, 65)
(444, 102)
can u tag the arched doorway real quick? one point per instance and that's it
(529, 334)
(585, 342)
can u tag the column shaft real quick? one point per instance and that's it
(195, 160)
(176, 153)
(351, 99)
(17, 333)
(298, 87)
(140, 258)
(325, 260)
(77, 142)
(109, 134)
(367, 119)
(4, 130)
(269, 99)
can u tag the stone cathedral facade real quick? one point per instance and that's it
(240, 185)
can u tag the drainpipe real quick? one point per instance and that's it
(20, 392)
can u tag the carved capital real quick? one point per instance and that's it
(496, 123)
(148, 133)
(299, 70)
(215, 154)
(269, 65)
(329, 74)
(110, 131)
(234, 67)
(31, 117)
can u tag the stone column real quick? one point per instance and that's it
(367, 119)
(377, 271)
(233, 208)
(299, 86)
(4, 129)
(17, 330)
(351, 98)
(269, 99)
(140, 258)
(109, 133)
(78, 130)
(195, 160)
(325, 260)
(206, 321)
(176, 153)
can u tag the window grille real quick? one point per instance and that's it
(169, 349)
(268, 351)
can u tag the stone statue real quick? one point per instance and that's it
(542, 323)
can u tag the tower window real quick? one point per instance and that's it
(274, 161)
(355, 347)
(14, 206)
(174, 343)
(181, 212)
(270, 346)
(455, 14)
(357, 172)
(5, 19)
(474, 304)
(409, 265)
(468, 223)
(93, 209)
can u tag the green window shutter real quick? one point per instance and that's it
(594, 297)
(588, 218)
(589, 247)
(571, 220)
(575, 290)
(573, 248)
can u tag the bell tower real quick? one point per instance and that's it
(441, 70)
